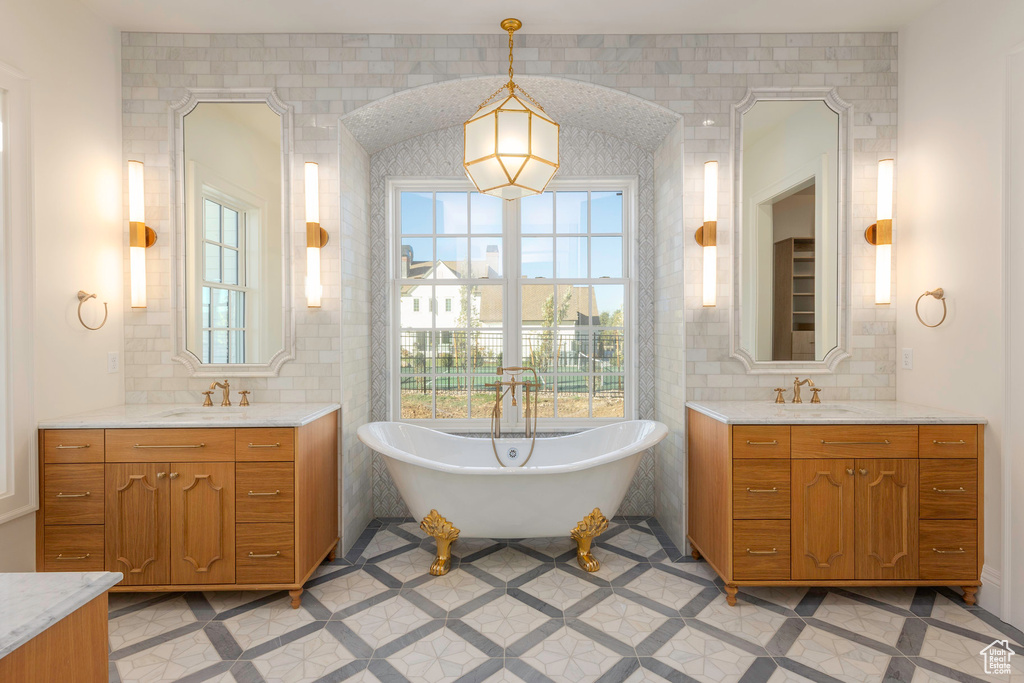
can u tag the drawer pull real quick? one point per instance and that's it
(763, 443)
(266, 493)
(863, 472)
(264, 445)
(254, 556)
(773, 551)
(961, 442)
(61, 446)
(773, 489)
(959, 490)
(74, 557)
(74, 495)
(886, 442)
(849, 470)
(958, 551)
(197, 445)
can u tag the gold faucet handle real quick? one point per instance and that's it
(245, 398)
(207, 402)
(779, 398)
(815, 398)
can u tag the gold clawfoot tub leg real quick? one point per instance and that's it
(592, 526)
(445, 534)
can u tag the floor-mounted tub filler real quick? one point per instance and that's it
(455, 486)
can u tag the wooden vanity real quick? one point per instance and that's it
(191, 508)
(860, 502)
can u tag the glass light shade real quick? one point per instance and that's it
(314, 290)
(710, 275)
(136, 192)
(137, 264)
(710, 191)
(511, 148)
(137, 232)
(312, 192)
(883, 274)
(885, 178)
(883, 250)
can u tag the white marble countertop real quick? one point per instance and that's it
(32, 603)
(150, 416)
(840, 412)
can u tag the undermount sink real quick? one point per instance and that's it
(818, 410)
(200, 413)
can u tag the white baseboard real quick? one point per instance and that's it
(990, 596)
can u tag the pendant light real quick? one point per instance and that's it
(511, 144)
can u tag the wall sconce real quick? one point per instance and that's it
(880, 234)
(316, 237)
(707, 234)
(140, 237)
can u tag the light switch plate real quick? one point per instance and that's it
(908, 359)
(113, 362)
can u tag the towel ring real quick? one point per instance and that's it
(938, 294)
(84, 296)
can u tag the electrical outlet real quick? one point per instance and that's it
(908, 359)
(113, 362)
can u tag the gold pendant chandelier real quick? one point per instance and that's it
(511, 144)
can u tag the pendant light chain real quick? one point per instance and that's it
(511, 86)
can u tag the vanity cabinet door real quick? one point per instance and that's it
(823, 519)
(137, 543)
(202, 522)
(887, 519)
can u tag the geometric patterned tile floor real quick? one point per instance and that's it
(524, 611)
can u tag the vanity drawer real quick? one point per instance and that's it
(264, 492)
(949, 550)
(73, 548)
(855, 441)
(760, 550)
(949, 489)
(72, 445)
(264, 553)
(760, 489)
(270, 444)
(174, 445)
(760, 441)
(949, 441)
(73, 494)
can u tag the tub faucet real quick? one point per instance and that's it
(226, 386)
(796, 388)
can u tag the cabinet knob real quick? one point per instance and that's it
(174, 475)
(161, 475)
(849, 470)
(863, 472)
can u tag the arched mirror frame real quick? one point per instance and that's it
(844, 111)
(181, 353)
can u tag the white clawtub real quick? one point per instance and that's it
(566, 478)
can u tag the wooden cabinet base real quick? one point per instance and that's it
(74, 650)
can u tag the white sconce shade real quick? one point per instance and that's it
(139, 236)
(316, 237)
(883, 234)
(707, 235)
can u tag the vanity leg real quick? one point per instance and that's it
(445, 533)
(296, 596)
(730, 594)
(695, 554)
(331, 556)
(592, 526)
(969, 592)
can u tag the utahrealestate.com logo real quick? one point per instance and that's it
(997, 658)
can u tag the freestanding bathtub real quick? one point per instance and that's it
(456, 480)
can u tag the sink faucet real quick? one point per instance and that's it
(226, 387)
(796, 388)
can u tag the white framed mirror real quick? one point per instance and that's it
(230, 185)
(791, 189)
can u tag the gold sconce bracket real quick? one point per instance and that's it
(84, 296)
(316, 237)
(879, 233)
(511, 25)
(141, 235)
(937, 294)
(707, 234)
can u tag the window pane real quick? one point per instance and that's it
(485, 257)
(606, 255)
(575, 305)
(606, 212)
(206, 308)
(536, 213)
(481, 399)
(230, 266)
(219, 346)
(572, 257)
(416, 259)
(573, 396)
(608, 300)
(452, 213)
(571, 214)
(609, 396)
(538, 305)
(219, 310)
(485, 212)
(538, 259)
(414, 306)
(416, 355)
(211, 212)
(452, 397)
(573, 351)
(546, 397)
(609, 351)
(417, 398)
(206, 346)
(486, 306)
(451, 354)
(212, 252)
(230, 227)
(485, 351)
(237, 309)
(538, 349)
(237, 350)
(452, 257)
(456, 315)
(417, 213)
